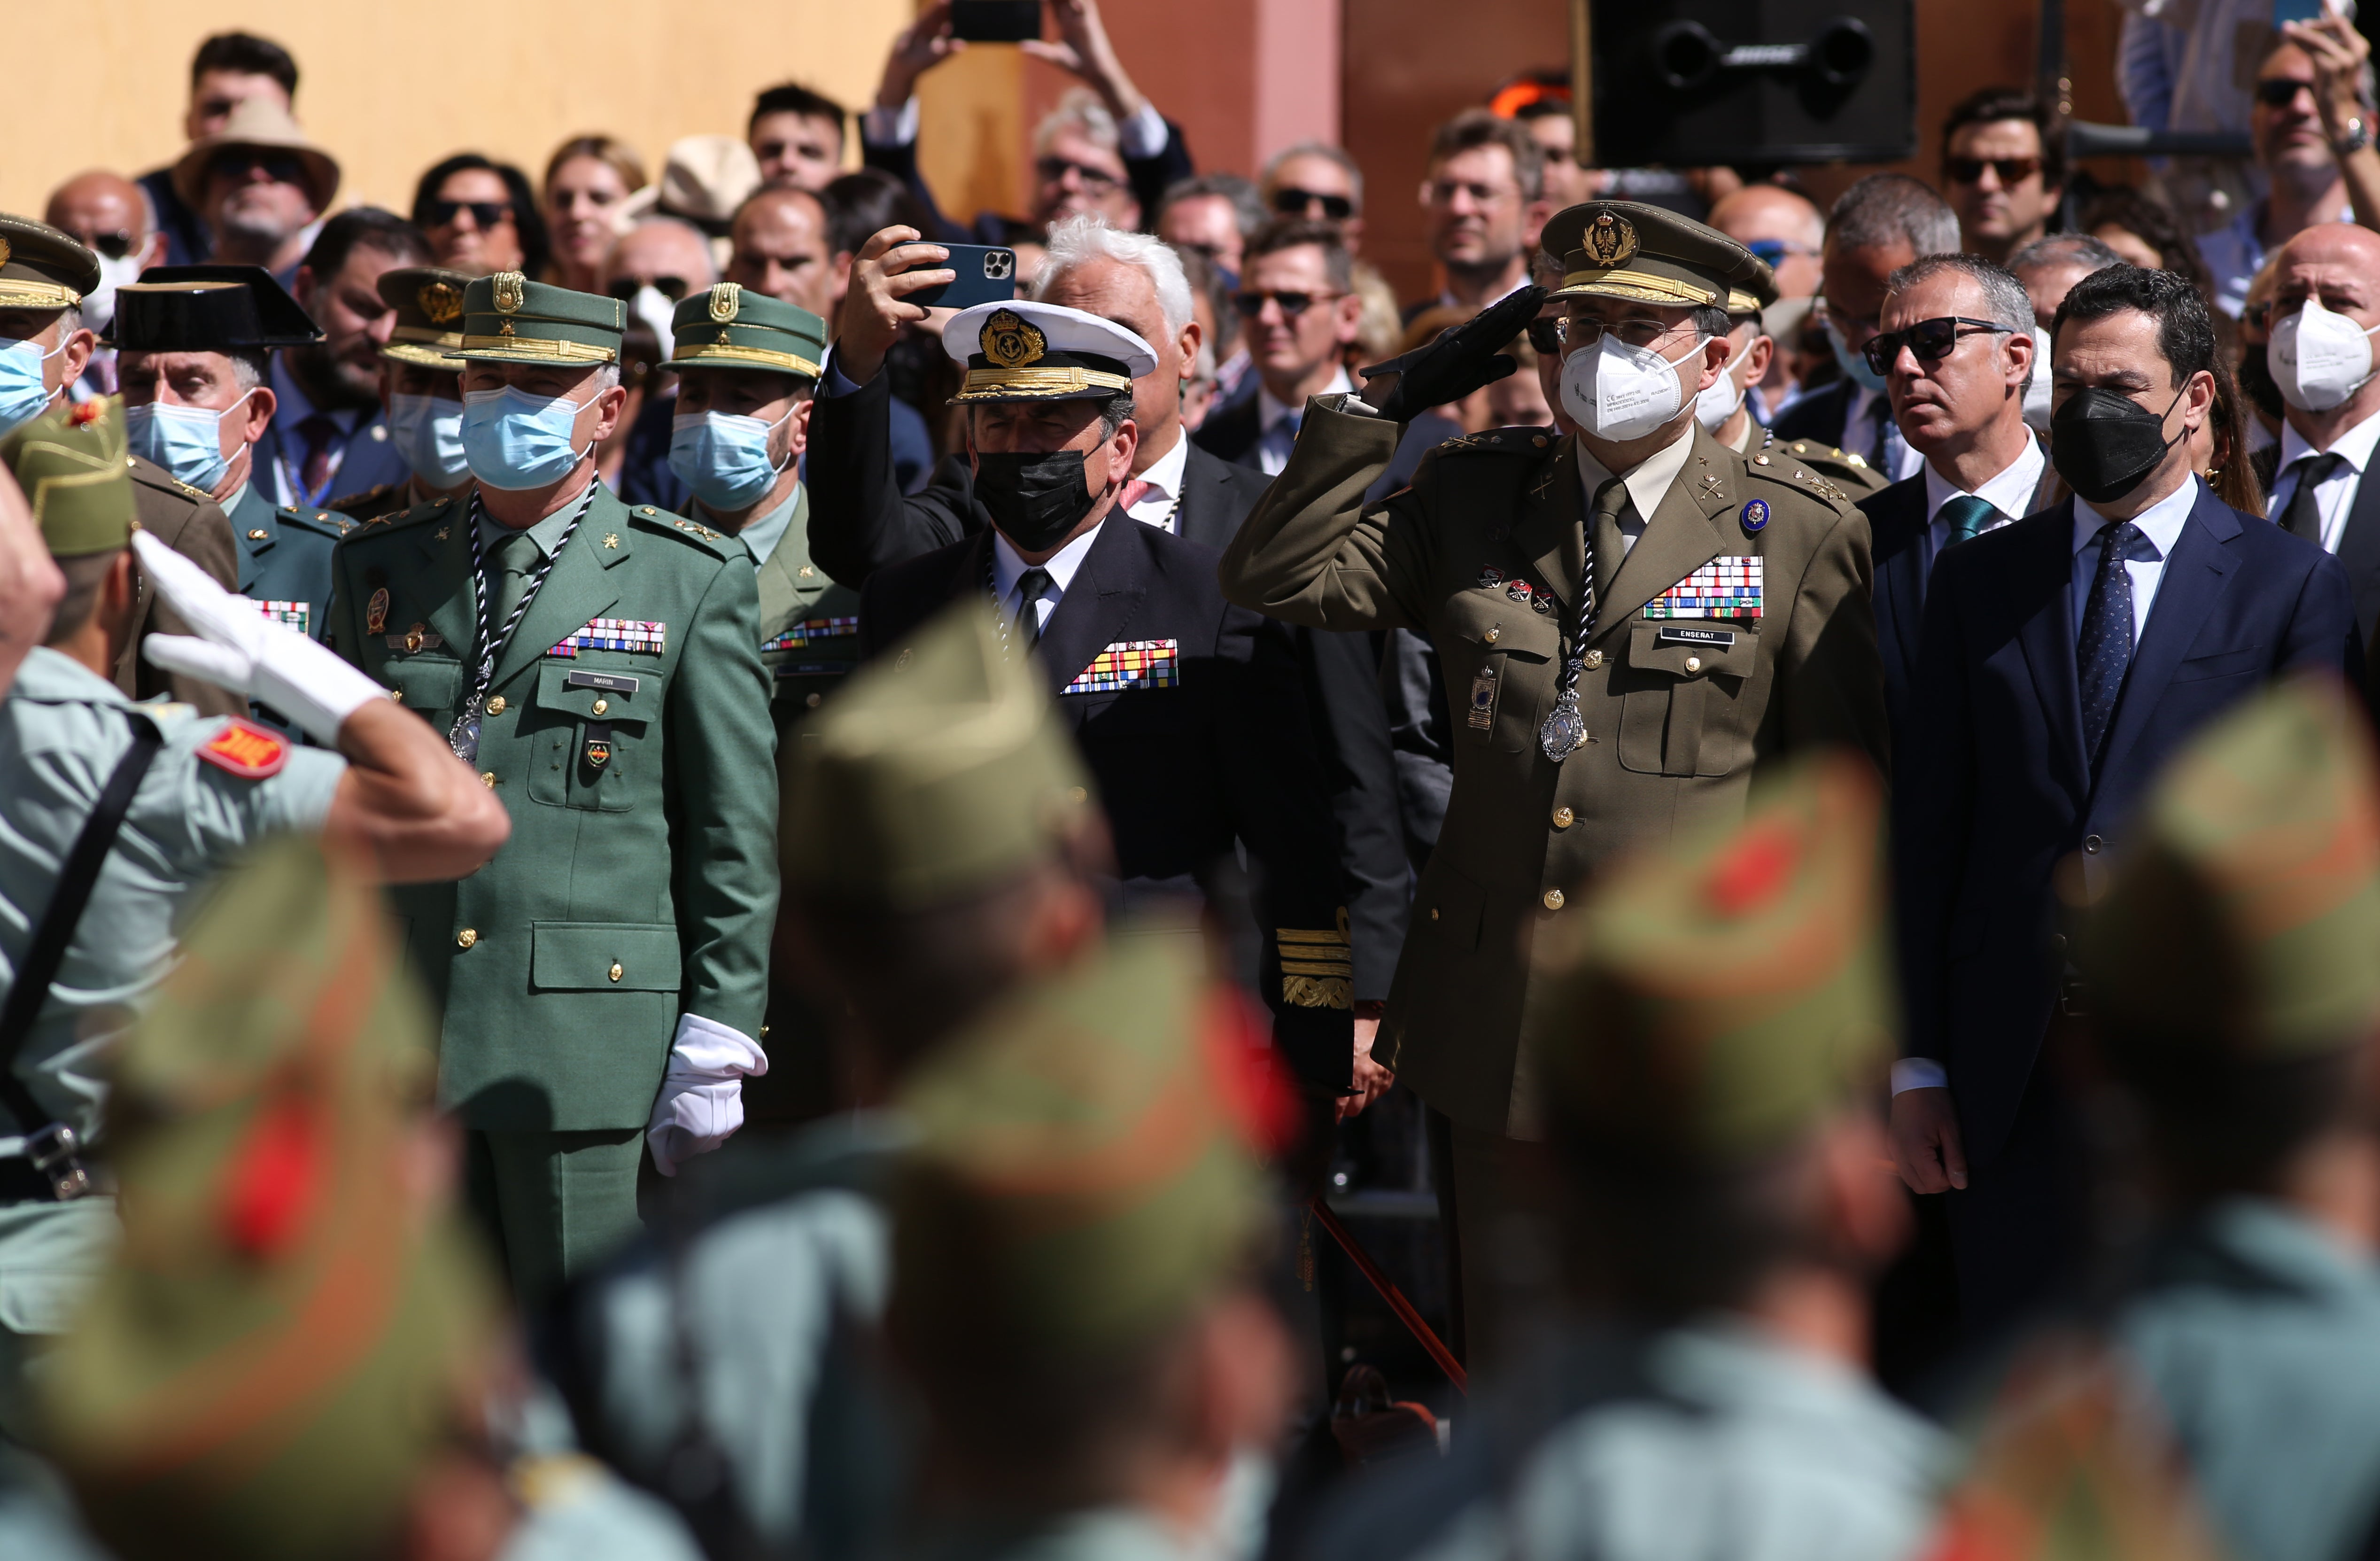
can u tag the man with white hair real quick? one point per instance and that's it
(1104, 151)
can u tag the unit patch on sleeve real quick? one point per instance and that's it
(1130, 664)
(614, 634)
(1724, 588)
(246, 749)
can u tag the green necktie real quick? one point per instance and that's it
(1967, 516)
(511, 562)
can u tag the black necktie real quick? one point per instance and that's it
(1966, 516)
(2106, 652)
(2304, 517)
(1029, 587)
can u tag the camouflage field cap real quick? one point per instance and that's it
(1082, 1175)
(72, 465)
(2243, 915)
(427, 302)
(930, 775)
(285, 1335)
(732, 327)
(509, 319)
(1719, 996)
(1626, 249)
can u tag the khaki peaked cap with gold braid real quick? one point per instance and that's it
(509, 319)
(43, 267)
(428, 304)
(1625, 250)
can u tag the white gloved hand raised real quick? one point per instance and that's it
(701, 1101)
(237, 649)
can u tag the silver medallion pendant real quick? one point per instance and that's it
(1564, 731)
(464, 736)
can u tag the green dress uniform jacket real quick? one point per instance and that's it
(284, 555)
(1484, 553)
(640, 881)
(809, 626)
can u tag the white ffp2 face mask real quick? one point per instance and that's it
(2319, 358)
(1718, 401)
(1619, 393)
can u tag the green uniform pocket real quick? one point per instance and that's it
(589, 722)
(603, 956)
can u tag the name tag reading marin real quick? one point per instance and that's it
(1130, 664)
(1724, 588)
(614, 634)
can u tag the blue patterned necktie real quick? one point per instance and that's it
(2106, 652)
(1966, 514)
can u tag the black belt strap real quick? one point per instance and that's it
(53, 1147)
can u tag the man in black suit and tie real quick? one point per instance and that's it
(1191, 713)
(1957, 351)
(2325, 306)
(1879, 224)
(2063, 658)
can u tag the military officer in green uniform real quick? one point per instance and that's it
(44, 347)
(202, 792)
(2233, 989)
(1632, 620)
(1725, 410)
(420, 390)
(300, 1353)
(1715, 1038)
(747, 366)
(603, 982)
(194, 344)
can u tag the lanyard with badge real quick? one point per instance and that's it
(464, 737)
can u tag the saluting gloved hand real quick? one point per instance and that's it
(237, 649)
(1459, 362)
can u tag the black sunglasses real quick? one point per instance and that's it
(1929, 341)
(673, 288)
(1970, 170)
(1290, 200)
(487, 213)
(1053, 170)
(279, 166)
(114, 246)
(1251, 305)
(2279, 91)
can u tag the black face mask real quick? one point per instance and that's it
(1034, 499)
(2256, 382)
(2105, 443)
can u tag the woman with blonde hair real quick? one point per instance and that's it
(587, 179)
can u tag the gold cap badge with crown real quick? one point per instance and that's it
(1611, 241)
(1010, 343)
(442, 301)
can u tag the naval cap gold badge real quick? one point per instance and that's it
(1009, 342)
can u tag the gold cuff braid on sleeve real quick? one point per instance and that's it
(1317, 967)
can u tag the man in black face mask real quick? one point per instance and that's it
(1189, 711)
(2063, 658)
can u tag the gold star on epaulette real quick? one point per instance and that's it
(1821, 485)
(610, 539)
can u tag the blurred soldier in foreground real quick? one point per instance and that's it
(299, 1354)
(1718, 1034)
(2235, 997)
(939, 845)
(1077, 1237)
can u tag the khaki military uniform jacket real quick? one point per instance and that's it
(190, 523)
(1484, 553)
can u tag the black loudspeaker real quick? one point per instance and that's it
(1685, 83)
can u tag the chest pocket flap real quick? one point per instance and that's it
(602, 957)
(426, 684)
(1682, 710)
(1494, 622)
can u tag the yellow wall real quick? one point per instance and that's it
(391, 88)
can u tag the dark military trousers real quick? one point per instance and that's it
(553, 1204)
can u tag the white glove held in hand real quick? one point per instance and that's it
(701, 1102)
(237, 649)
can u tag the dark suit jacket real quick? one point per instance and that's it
(1896, 523)
(1997, 788)
(1232, 434)
(1819, 415)
(2359, 546)
(1225, 754)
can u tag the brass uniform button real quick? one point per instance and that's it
(1592, 660)
(814, 701)
(496, 705)
(1077, 795)
(1760, 461)
(1433, 913)
(1553, 900)
(601, 706)
(616, 973)
(1693, 664)
(397, 694)
(466, 937)
(488, 779)
(1564, 818)
(1495, 632)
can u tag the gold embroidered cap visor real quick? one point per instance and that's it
(1020, 350)
(41, 267)
(427, 302)
(509, 319)
(1645, 254)
(732, 327)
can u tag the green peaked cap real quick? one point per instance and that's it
(72, 465)
(732, 327)
(2243, 913)
(509, 319)
(931, 773)
(1715, 998)
(284, 1339)
(1082, 1175)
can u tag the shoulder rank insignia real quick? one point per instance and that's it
(246, 749)
(1821, 485)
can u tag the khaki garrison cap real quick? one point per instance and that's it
(428, 304)
(73, 466)
(509, 319)
(1624, 249)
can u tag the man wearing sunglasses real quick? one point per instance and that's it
(1319, 182)
(1298, 316)
(225, 71)
(261, 185)
(2299, 153)
(2004, 166)
(1630, 621)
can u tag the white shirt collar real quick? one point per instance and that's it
(2356, 444)
(1268, 410)
(1651, 480)
(2010, 492)
(1062, 565)
(1165, 473)
(2160, 522)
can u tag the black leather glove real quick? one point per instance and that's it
(1459, 362)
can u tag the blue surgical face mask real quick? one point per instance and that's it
(513, 440)
(186, 441)
(725, 457)
(1853, 364)
(428, 432)
(23, 396)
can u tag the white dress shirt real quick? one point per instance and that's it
(1870, 408)
(2010, 492)
(1279, 422)
(1648, 485)
(1160, 505)
(2161, 523)
(1007, 568)
(2336, 495)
